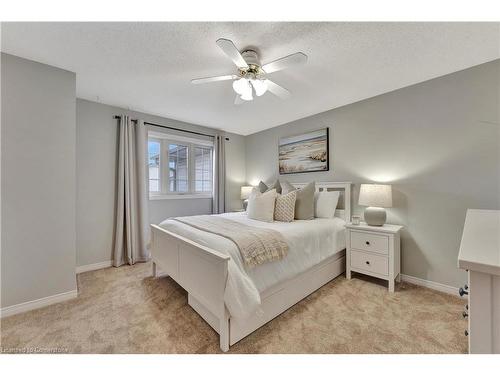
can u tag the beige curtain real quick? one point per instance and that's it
(219, 197)
(132, 222)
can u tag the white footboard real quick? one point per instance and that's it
(201, 271)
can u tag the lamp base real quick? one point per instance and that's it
(375, 216)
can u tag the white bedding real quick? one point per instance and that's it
(309, 241)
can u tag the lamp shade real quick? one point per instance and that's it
(245, 192)
(375, 195)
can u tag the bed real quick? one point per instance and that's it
(236, 300)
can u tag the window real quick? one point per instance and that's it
(203, 169)
(154, 165)
(179, 166)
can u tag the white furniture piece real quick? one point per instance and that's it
(202, 272)
(480, 255)
(374, 251)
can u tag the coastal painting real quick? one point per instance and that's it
(306, 152)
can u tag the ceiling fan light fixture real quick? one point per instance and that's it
(240, 86)
(251, 74)
(259, 86)
(247, 95)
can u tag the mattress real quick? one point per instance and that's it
(309, 241)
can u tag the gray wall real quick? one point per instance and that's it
(38, 181)
(97, 139)
(437, 143)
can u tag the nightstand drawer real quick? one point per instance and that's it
(370, 262)
(370, 242)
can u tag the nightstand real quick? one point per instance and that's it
(374, 251)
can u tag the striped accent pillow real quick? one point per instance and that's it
(284, 209)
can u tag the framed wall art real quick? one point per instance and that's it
(307, 152)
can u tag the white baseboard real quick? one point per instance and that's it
(38, 303)
(94, 266)
(430, 284)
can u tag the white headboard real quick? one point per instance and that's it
(344, 206)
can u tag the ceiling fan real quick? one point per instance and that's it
(252, 76)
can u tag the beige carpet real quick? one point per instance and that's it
(125, 310)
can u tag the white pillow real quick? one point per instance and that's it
(252, 194)
(261, 205)
(325, 203)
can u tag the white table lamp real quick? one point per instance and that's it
(244, 194)
(376, 198)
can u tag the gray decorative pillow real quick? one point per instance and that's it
(286, 187)
(263, 187)
(304, 204)
(276, 186)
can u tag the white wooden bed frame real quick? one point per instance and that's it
(202, 272)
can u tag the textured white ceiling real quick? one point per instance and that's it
(148, 66)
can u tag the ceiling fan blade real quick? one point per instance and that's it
(238, 100)
(277, 90)
(197, 81)
(232, 52)
(285, 62)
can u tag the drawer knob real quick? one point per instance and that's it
(462, 292)
(466, 333)
(466, 287)
(367, 262)
(464, 314)
(467, 307)
(367, 242)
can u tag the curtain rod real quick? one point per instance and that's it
(172, 128)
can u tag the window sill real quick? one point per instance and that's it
(179, 196)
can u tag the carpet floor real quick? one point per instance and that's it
(125, 310)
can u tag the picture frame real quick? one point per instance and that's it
(305, 152)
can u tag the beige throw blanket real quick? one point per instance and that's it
(256, 245)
